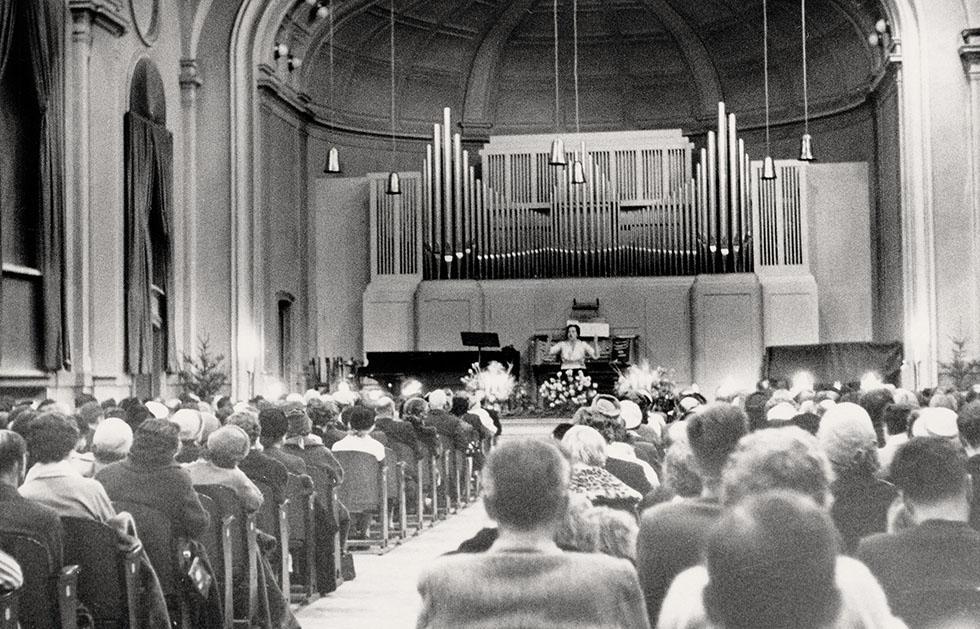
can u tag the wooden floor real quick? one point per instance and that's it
(383, 595)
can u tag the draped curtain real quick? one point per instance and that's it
(6, 30)
(46, 31)
(148, 181)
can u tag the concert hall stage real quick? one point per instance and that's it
(706, 328)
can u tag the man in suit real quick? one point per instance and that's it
(524, 579)
(18, 514)
(941, 553)
(394, 429)
(445, 423)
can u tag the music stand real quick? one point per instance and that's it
(479, 340)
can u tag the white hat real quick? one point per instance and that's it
(190, 424)
(935, 422)
(784, 411)
(630, 413)
(294, 397)
(113, 435)
(437, 399)
(310, 395)
(157, 409)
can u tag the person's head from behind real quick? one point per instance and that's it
(941, 399)
(228, 446)
(617, 530)
(385, 407)
(273, 426)
(51, 437)
(874, 402)
(460, 404)
(438, 400)
(525, 485)
(777, 459)
(112, 440)
(932, 478)
(680, 470)
(585, 446)
(249, 422)
(770, 563)
(361, 420)
(155, 443)
(968, 423)
(13, 458)
(896, 418)
(559, 432)
(713, 431)
(414, 410)
(848, 438)
(578, 530)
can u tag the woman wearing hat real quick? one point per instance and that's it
(573, 350)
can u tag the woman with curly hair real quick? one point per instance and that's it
(586, 450)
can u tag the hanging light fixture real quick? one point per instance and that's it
(806, 142)
(557, 157)
(332, 166)
(578, 170)
(768, 167)
(394, 183)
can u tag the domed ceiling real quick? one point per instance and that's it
(642, 63)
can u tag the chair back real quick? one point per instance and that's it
(361, 489)
(240, 538)
(219, 554)
(155, 530)
(38, 603)
(8, 609)
(302, 539)
(404, 452)
(957, 605)
(267, 517)
(107, 577)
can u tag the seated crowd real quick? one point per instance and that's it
(112, 463)
(777, 509)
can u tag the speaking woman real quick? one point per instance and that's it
(573, 350)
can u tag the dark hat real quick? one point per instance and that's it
(155, 442)
(299, 422)
(361, 418)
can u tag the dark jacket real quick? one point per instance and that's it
(400, 431)
(165, 488)
(860, 507)
(294, 464)
(20, 514)
(259, 466)
(630, 473)
(448, 425)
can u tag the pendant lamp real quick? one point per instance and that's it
(806, 141)
(557, 156)
(333, 156)
(768, 168)
(394, 183)
(578, 169)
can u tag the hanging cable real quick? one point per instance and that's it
(575, 60)
(330, 10)
(556, 64)
(392, 41)
(806, 100)
(765, 62)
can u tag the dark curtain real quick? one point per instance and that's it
(164, 154)
(148, 181)
(6, 30)
(830, 362)
(46, 30)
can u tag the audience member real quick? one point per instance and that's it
(525, 579)
(258, 465)
(874, 402)
(617, 532)
(273, 427)
(586, 450)
(191, 427)
(896, 420)
(394, 429)
(455, 430)
(671, 534)
(940, 555)
(149, 475)
(933, 422)
(968, 423)
(771, 561)
(320, 462)
(227, 447)
(861, 499)
(414, 412)
(17, 513)
(111, 442)
(359, 437)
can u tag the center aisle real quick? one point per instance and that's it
(384, 594)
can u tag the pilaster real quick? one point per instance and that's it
(190, 84)
(970, 56)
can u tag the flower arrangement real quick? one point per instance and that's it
(494, 382)
(644, 381)
(567, 390)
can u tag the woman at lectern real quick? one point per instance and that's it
(573, 350)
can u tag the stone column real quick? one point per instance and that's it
(970, 56)
(190, 82)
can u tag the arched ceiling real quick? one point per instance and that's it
(642, 63)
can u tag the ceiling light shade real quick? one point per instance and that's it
(768, 168)
(578, 172)
(806, 148)
(557, 157)
(333, 161)
(394, 184)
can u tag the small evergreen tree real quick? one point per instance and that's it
(203, 376)
(960, 372)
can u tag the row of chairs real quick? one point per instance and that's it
(103, 578)
(377, 492)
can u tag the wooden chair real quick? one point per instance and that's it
(405, 455)
(49, 596)
(220, 554)
(397, 502)
(450, 476)
(8, 609)
(240, 539)
(273, 518)
(301, 548)
(365, 494)
(107, 583)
